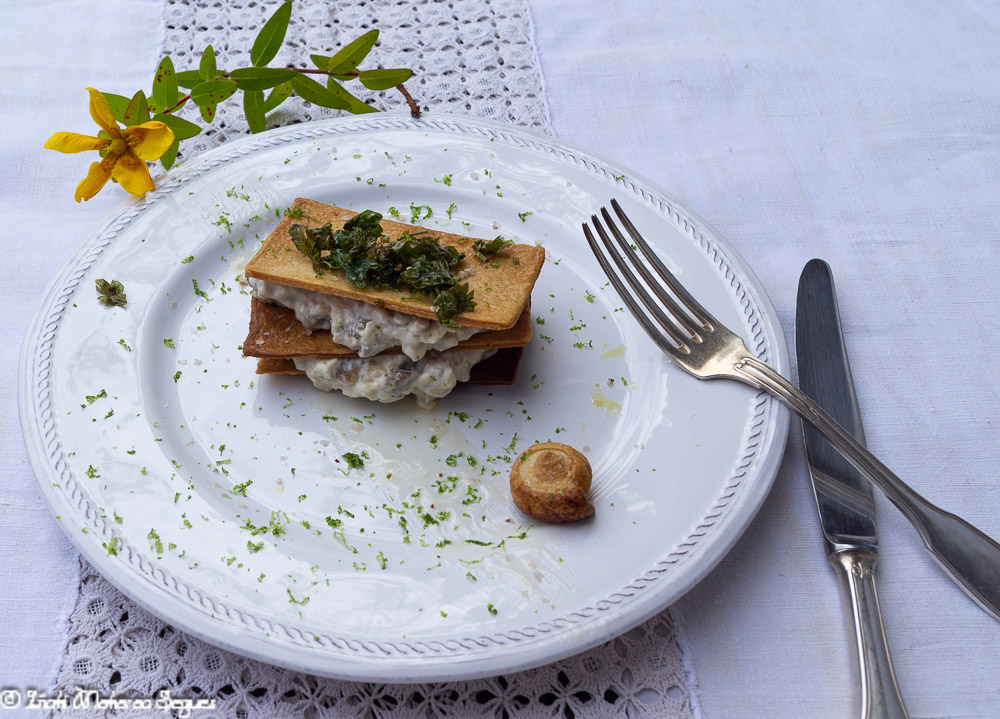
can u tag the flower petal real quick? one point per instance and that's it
(100, 173)
(150, 139)
(74, 142)
(100, 110)
(132, 174)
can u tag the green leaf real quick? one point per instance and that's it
(118, 103)
(207, 70)
(212, 92)
(277, 96)
(189, 78)
(270, 37)
(351, 55)
(354, 105)
(320, 61)
(261, 78)
(182, 129)
(165, 84)
(207, 112)
(253, 107)
(384, 79)
(137, 111)
(168, 157)
(311, 91)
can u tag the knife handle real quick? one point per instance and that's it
(880, 698)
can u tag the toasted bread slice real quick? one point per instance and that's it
(500, 369)
(274, 332)
(501, 291)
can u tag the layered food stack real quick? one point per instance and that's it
(381, 309)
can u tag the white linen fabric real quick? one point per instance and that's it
(866, 134)
(52, 51)
(474, 58)
(862, 133)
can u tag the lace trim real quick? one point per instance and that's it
(114, 646)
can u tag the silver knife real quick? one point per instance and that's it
(843, 494)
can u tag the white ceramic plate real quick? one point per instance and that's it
(139, 421)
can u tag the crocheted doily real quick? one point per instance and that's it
(114, 646)
(474, 57)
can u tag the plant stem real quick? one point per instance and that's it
(414, 108)
(177, 105)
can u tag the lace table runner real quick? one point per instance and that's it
(474, 57)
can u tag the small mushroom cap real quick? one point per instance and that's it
(550, 481)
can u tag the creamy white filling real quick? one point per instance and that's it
(389, 378)
(364, 328)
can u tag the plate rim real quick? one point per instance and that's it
(575, 632)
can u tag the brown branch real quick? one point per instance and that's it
(414, 108)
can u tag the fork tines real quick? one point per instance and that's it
(687, 320)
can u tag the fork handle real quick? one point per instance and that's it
(966, 554)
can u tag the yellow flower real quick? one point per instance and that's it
(128, 150)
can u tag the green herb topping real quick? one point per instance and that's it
(353, 460)
(111, 294)
(414, 261)
(488, 248)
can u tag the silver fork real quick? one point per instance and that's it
(700, 344)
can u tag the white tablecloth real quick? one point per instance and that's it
(867, 134)
(52, 51)
(863, 133)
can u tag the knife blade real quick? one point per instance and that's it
(844, 496)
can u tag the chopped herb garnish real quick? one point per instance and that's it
(241, 489)
(488, 248)
(524, 215)
(168, 342)
(416, 210)
(187, 259)
(91, 398)
(491, 609)
(413, 261)
(111, 294)
(353, 460)
(154, 541)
